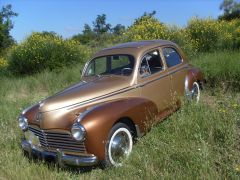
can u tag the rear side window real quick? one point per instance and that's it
(172, 57)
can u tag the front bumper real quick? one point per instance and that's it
(61, 158)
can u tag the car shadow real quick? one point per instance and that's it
(52, 165)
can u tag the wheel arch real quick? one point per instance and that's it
(133, 127)
(194, 75)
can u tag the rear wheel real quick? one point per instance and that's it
(119, 145)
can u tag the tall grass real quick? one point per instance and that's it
(221, 69)
(198, 141)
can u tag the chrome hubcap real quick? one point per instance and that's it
(120, 147)
(195, 92)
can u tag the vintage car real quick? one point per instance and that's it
(123, 91)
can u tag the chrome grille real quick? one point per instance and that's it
(58, 140)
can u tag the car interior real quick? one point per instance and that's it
(151, 60)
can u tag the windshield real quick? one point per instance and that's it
(114, 64)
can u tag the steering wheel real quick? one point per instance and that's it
(126, 69)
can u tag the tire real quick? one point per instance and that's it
(195, 92)
(119, 145)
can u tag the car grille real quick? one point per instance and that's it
(53, 140)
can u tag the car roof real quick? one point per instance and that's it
(140, 44)
(133, 48)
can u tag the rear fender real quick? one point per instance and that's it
(193, 75)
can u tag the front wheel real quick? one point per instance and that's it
(119, 145)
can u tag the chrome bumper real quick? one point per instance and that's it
(61, 158)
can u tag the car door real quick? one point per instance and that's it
(177, 70)
(153, 80)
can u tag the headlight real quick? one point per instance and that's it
(78, 132)
(23, 123)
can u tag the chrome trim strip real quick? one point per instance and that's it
(101, 97)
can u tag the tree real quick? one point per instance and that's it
(100, 25)
(231, 9)
(86, 36)
(118, 29)
(49, 33)
(99, 33)
(87, 29)
(146, 15)
(6, 25)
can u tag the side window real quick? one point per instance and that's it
(151, 63)
(172, 57)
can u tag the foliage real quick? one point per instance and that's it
(200, 35)
(100, 25)
(118, 29)
(231, 10)
(211, 35)
(87, 36)
(221, 69)
(100, 34)
(6, 25)
(3, 63)
(147, 28)
(45, 51)
(203, 34)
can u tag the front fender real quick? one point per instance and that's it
(99, 120)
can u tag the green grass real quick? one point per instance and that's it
(198, 141)
(222, 69)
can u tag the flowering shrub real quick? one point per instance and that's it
(203, 33)
(208, 34)
(41, 51)
(3, 63)
(200, 35)
(147, 28)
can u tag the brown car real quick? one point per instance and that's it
(123, 91)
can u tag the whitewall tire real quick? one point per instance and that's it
(119, 145)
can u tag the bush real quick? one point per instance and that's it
(200, 35)
(45, 51)
(3, 63)
(147, 28)
(203, 33)
(210, 35)
(221, 69)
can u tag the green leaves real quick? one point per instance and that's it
(45, 51)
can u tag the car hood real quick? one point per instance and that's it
(84, 91)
